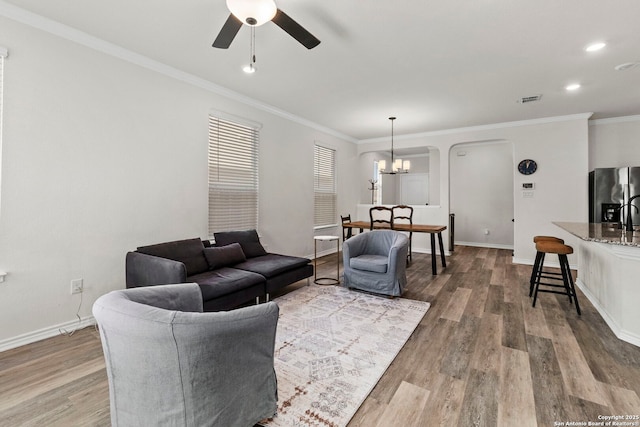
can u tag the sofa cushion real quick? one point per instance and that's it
(189, 252)
(224, 256)
(224, 281)
(374, 263)
(248, 239)
(271, 265)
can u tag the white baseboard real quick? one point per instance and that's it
(45, 333)
(548, 262)
(323, 253)
(428, 251)
(613, 325)
(484, 245)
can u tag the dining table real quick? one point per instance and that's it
(433, 230)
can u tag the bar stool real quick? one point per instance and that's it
(539, 256)
(562, 250)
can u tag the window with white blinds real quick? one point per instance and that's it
(233, 176)
(324, 186)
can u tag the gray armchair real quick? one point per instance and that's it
(376, 262)
(170, 364)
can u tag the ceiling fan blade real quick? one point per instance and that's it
(228, 32)
(295, 30)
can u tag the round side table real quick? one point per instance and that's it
(325, 280)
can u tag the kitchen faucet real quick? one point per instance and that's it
(628, 205)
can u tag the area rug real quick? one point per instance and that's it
(332, 347)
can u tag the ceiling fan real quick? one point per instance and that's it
(255, 13)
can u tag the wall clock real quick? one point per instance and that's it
(527, 167)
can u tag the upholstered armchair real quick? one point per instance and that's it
(376, 262)
(170, 364)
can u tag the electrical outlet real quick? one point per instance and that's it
(77, 286)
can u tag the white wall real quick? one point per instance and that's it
(101, 156)
(481, 184)
(434, 176)
(614, 142)
(558, 144)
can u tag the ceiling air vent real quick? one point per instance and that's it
(527, 99)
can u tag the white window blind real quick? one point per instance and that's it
(233, 176)
(324, 186)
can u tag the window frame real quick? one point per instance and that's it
(332, 189)
(223, 183)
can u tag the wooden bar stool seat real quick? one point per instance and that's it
(536, 263)
(537, 239)
(553, 247)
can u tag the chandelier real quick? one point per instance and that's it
(397, 165)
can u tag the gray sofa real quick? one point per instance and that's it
(235, 270)
(169, 364)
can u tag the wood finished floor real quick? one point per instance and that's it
(482, 356)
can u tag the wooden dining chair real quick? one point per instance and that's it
(381, 215)
(403, 214)
(346, 232)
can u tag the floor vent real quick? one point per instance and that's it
(527, 99)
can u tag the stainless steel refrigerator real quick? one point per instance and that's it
(609, 192)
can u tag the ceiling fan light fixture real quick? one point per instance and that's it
(253, 12)
(249, 68)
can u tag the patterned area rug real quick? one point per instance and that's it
(332, 347)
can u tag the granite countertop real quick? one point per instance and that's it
(602, 233)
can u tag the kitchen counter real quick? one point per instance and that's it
(608, 272)
(601, 233)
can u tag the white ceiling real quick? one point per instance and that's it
(433, 64)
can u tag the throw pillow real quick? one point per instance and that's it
(248, 239)
(223, 256)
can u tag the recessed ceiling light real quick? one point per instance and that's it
(595, 46)
(573, 86)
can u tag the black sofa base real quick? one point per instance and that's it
(276, 283)
(236, 299)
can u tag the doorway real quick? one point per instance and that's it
(481, 193)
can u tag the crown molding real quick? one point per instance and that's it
(545, 120)
(622, 119)
(64, 31)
